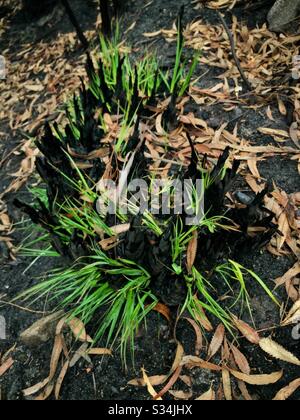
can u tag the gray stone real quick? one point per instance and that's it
(42, 330)
(282, 13)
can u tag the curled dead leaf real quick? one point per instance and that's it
(287, 391)
(178, 357)
(78, 329)
(35, 388)
(199, 337)
(150, 388)
(163, 310)
(293, 316)
(45, 393)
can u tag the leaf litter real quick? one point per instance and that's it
(68, 358)
(259, 68)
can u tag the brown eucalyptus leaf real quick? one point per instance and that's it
(149, 386)
(258, 379)
(216, 341)
(240, 360)
(287, 391)
(192, 251)
(227, 384)
(293, 316)
(277, 351)
(210, 395)
(248, 332)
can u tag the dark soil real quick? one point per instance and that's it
(155, 346)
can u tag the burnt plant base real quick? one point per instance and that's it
(129, 263)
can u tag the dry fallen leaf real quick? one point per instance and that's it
(244, 391)
(163, 310)
(227, 384)
(194, 361)
(216, 341)
(201, 317)
(287, 391)
(192, 251)
(56, 353)
(178, 357)
(60, 379)
(252, 164)
(294, 134)
(290, 274)
(282, 107)
(81, 352)
(46, 393)
(150, 388)
(6, 366)
(248, 332)
(152, 34)
(173, 379)
(273, 132)
(199, 337)
(78, 329)
(258, 379)
(161, 379)
(187, 380)
(35, 388)
(240, 360)
(293, 316)
(48, 382)
(277, 351)
(34, 88)
(99, 352)
(284, 228)
(210, 395)
(154, 380)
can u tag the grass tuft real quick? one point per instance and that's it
(118, 267)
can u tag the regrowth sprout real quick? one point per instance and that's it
(120, 266)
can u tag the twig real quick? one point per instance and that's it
(249, 87)
(269, 329)
(7, 156)
(4, 302)
(75, 23)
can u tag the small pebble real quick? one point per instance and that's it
(243, 198)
